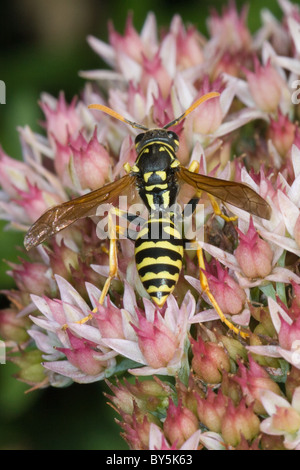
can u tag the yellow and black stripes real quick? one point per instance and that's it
(159, 246)
(158, 254)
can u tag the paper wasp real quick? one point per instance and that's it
(156, 175)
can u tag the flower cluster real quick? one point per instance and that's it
(217, 390)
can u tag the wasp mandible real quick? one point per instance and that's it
(156, 174)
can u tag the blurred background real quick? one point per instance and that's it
(42, 48)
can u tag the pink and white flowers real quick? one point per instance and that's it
(226, 393)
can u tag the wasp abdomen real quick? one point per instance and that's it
(158, 255)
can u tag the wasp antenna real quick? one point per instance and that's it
(207, 96)
(118, 116)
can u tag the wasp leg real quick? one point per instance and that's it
(217, 210)
(194, 168)
(206, 290)
(113, 262)
(114, 231)
(113, 259)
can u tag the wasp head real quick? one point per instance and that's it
(162, 136)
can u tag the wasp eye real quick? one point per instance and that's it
(138, 139)
(174, 138)
(172, 135)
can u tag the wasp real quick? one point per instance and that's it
(156, 175)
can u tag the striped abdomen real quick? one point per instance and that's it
(158, 255)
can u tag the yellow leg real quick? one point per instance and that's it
(113, 260)
(194, 166)
(113, 263)
(206, 290)
(218, 211)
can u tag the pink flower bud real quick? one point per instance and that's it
(84, 356)
(31, 277)
(189, 50)
(230, 28)
(149, 388)
(179, 424)
(81, 273)
(230, 388)
(31, 370)
(189, 394)
(234, 347)
(137, 428)
(157, 342)
(253, 254)
(129, 44)
(239, 422)
(122, 398)
(245, 445)
(289, 334)
(229, 63)
(62, 157)
(286, 420)
(252, 381)
(282, 133)
(209, 360)
(212, 409)
(136, 103)
(12, 327)
(265, 325)
(151, 394)
(227, 292)
(62, 258)
(91, 162)
(266, 86)
(62, 121)
(163, 110)
(14, 175)
(154, 68)
(109, 320)
(207, 118)
(36, 201)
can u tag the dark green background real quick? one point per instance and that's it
(43, 46)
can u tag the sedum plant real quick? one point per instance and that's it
(179, 379)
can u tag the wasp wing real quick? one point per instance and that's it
(61, 216)
(238, 194)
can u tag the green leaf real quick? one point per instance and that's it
(184, 371)
(122, 367)
(269, 291)
(280, 375)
